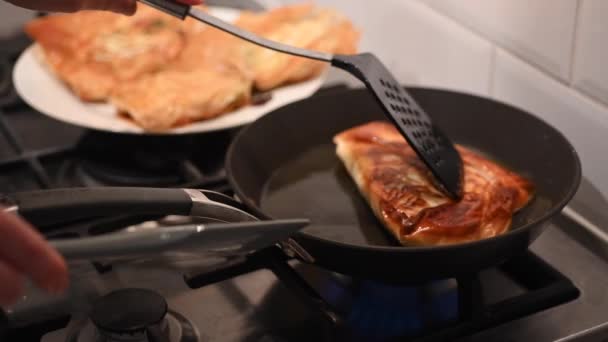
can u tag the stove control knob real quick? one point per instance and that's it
(129, 315)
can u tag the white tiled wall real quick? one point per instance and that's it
(541, 31)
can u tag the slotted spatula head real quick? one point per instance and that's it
(425, 138)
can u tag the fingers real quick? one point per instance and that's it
(11, 285)
(119, 6)
(127, 7)
(191, 2)
(23, 249)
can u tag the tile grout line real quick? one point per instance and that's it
(585, 223)
(594, 98)
(578, 336)
(573, 47)
(491, 77)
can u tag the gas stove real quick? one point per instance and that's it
(553, 292)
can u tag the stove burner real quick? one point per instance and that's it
(113, 159)
(95, 172)
(130, 315)
(378, 311)
(117, 160)
(133, 315)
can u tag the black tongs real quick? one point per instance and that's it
(429, 142)
(210, 238)
(231, 230)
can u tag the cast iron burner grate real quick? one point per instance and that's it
(122, 160)
(469, 309)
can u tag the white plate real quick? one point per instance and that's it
(40, 89)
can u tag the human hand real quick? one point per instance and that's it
(25, 253)
(127, 7)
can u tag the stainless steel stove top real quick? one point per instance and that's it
(259, 307)
(565, 246)
(36, 152)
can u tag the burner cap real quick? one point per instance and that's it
(128, 311)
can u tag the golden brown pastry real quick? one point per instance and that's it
(93, 51)
(174, 98)
(301, 25)
(163, 72)
(228, 68)
(208, 47)
(206, 80)
(398, 187)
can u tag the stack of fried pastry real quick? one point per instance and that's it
(164, 73)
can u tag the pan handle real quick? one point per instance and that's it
(47, 207)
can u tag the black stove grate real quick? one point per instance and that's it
(541, 287)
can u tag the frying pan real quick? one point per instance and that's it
(284, 166)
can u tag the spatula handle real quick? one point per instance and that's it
(181, 11)
(173, 8)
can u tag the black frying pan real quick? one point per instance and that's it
(284, 165)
